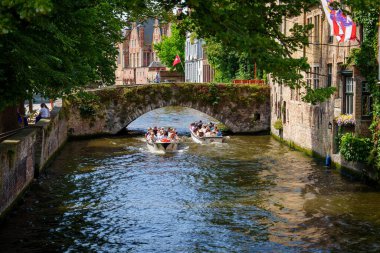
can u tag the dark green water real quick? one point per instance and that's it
(250, 195)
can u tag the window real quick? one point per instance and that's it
(308, 78)
(316, 29)
(330, 38)
(329, 75)
(366, 101)
(349, 95)
(316, 77)
(309, 22)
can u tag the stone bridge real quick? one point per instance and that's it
(243, 108)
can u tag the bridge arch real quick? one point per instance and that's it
(242, 108)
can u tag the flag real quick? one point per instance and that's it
(176, 60)
(342, 26)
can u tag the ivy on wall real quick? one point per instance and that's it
(364, 58)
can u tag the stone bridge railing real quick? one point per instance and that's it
(241, 107)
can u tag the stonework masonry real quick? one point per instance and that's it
(24, 155)
(243, 109)
(312, 126)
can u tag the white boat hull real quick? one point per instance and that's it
(206, 140)
(162, 147)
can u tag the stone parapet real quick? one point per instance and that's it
(51, 135)
(25, 154)
(16, 165)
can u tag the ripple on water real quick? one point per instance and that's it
(249, 195)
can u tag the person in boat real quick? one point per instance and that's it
(148, 132)
(151, 137)
(192, 127)
(217, 132)
(155, 130)
(168, 131)
(208, 132)
(173, 135)
(160, 134)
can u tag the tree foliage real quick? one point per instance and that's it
(53, 46)
(171, 46)
(229, 63)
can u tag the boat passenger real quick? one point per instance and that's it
(217, 132)
(192, 127)
(151, 137)
(173, 136)
(148, 132)
(160, 135)
(208, 132)
(155, 130)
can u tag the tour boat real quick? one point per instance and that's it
(207, 140)
(162, 146)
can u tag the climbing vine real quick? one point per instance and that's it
(88, 103)
(364, 58)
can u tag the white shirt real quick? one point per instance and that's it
(44, 112)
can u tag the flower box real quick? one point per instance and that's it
(345, 120)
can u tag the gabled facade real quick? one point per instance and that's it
(313, 126)
(136, 53)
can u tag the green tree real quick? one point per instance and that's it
(53, 46)
(171, 46)
(229, 63)
(253, 28)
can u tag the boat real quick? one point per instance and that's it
(162, 146)
(206, 140)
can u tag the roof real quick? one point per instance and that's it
(148, 31)
(156, 64)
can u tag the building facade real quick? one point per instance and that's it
(137, 62)
(313, 127)
(197, 68)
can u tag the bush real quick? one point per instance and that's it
(354, 148)
(278, 124)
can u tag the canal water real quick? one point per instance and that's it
(251, 194)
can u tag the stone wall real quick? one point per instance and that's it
(51, 135)
(24, 154)
(16, 166)
(242, 107)
(312, 127)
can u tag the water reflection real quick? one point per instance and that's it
(249, 195)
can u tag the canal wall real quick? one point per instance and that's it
(26, 153)
(17, 166)
(51, 135)
(311, 129)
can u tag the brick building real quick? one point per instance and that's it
(137, 62)
(312, 126)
